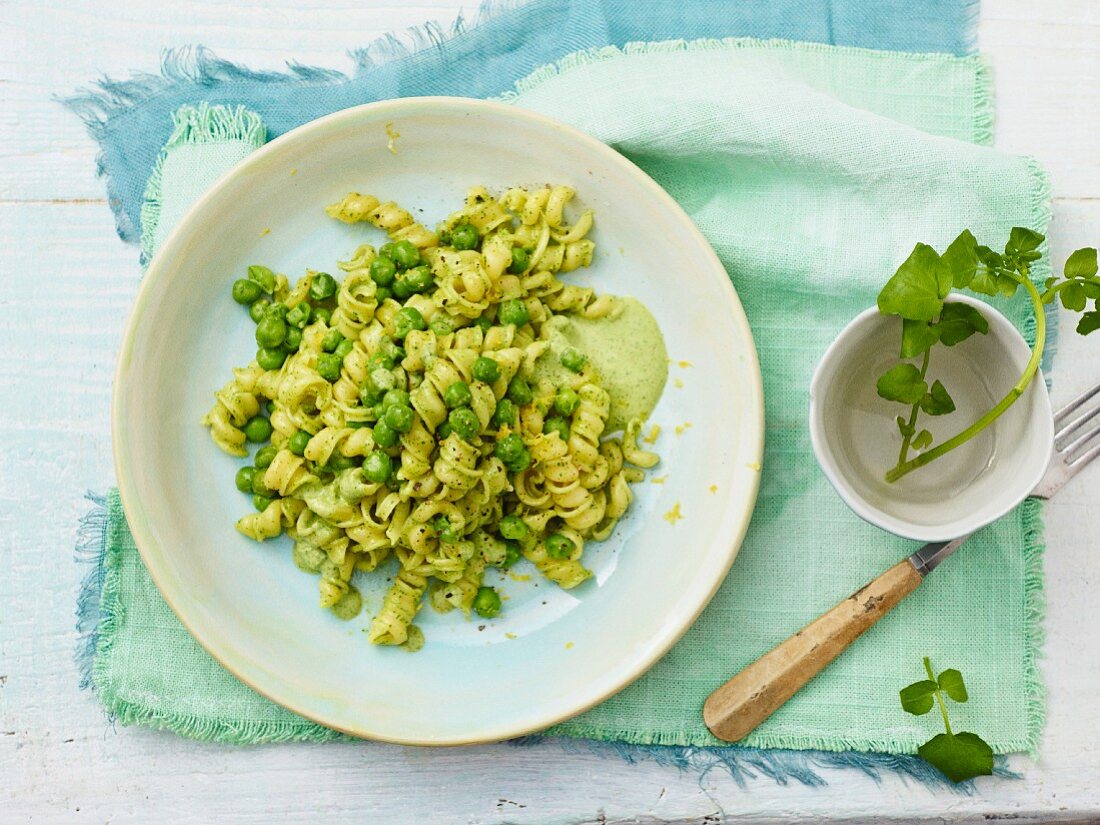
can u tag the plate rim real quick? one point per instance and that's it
(738, 509)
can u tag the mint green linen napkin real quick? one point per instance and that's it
(812, 171)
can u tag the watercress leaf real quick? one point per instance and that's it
(1092, 289)
(961, 258)
(1032, 255)
(959, 757)
(1073, 296)
(985, 282)
(916, 337)
(904, 427)
(937, 401)
(988, 257)
(902, 383)
(1081, 263)
(1022, 240)
(917, 698)
(1007, 285)
(923, 439)
(959, 321)
(951, 682)
(916, 291)
(1090, 322)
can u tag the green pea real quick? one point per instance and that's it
(401, 289)
(505, 413)
(382, 271)
(380, 360)
(566, 401)
(331, 340)
(457, 395)
(514, 311)
(444, 236)
(508, 448)
(264, 456)
(377, 467)
(487, 602)
(261, 502)
(408, 319)
(521, 259)
(343, 348)
(405, 254)
(293, 339)
(328, 366)
(338, 463)
(263, 276)
(323, 287)
(520, 391)
(441, 325)
(558, 546)
(483, 324)
(276, 310)
(464, 236)
(419, 279)
(384, 434)
(513, 527)
(391, 350)
(465, 422)
(246, 292)
(257, 311)
(383, 293)
(244, 479)
(396, 398)
(486, 369)
(444, 430)
(511, 554)
(257, 429)
(447, 534)
(258, 486)
(298, 441)
(378, 411)
(513, 453)
(270, 332)
(323, 314)
(270, 359)
(556, 425)
(386, 250)
(573, 359)
(400, 418)
(370, 394)
(299, 316)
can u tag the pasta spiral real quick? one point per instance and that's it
(411, 426)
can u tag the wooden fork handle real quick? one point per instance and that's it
(754, 694)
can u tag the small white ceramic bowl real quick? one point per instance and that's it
(856, 440)
(552, 653)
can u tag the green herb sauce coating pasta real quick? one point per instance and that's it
(391, 435)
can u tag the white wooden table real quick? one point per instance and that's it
(59, 761)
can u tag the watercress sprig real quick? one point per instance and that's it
(918, 292)
(959, 756)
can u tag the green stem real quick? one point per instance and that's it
(1006, 402)
(939, 696)
(914, 413)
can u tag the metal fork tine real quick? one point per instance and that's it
(1083, 459)
(1079, 443)
(1063, 434)
(1061, 415)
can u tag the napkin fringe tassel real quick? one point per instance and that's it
(191, 65)
(784, 767)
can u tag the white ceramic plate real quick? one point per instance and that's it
(247, 603)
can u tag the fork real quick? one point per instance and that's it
(745, 701)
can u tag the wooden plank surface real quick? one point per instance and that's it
(60, 761)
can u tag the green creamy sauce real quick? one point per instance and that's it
(627, 350)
